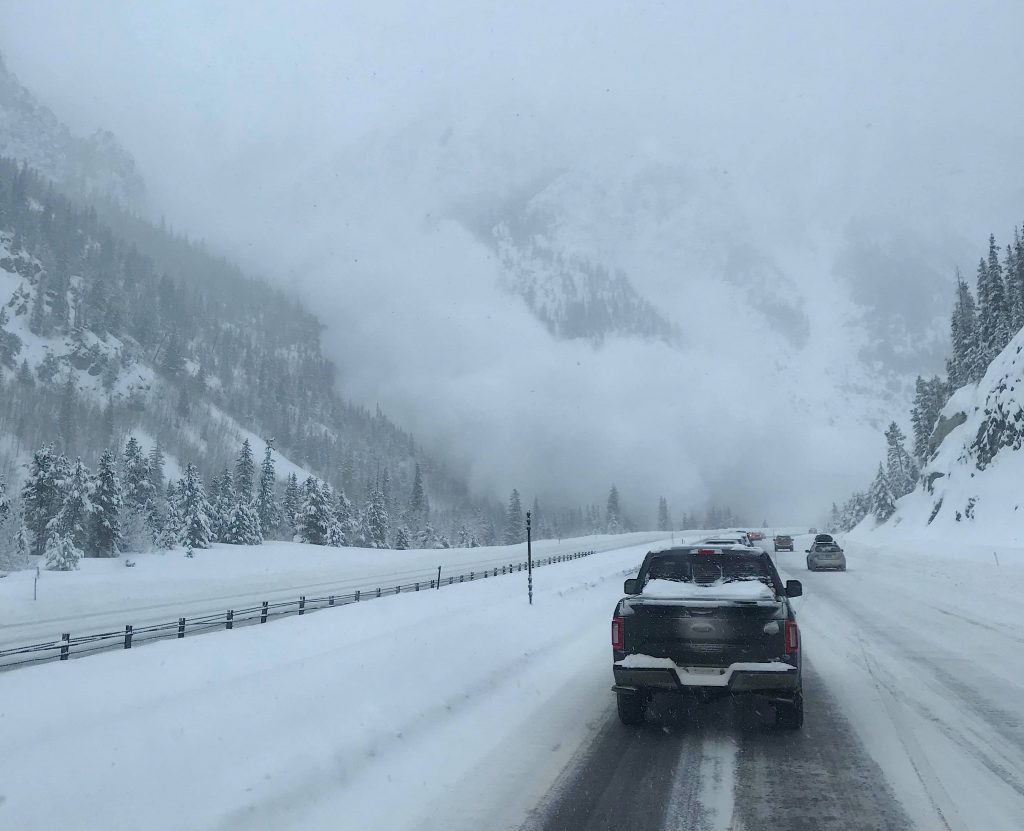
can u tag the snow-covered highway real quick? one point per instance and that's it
(913, 677)
(470, 709)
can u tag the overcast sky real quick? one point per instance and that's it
(303, 139)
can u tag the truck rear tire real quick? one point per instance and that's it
(790, 715)
(632, 708)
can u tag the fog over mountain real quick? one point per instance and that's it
(700, 251)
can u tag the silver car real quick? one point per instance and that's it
(825, 555)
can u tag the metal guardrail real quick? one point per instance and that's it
(78, 647)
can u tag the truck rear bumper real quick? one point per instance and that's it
(738, 678)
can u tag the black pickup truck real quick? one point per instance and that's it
(707, 621)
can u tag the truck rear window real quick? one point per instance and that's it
(690, 566)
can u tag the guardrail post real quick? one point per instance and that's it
(495, 572)
(378, 591)
(264, 611)
(463, 575)
(330, 600)
(65, 646)
(357, 595)
(471, 576)
(417, 587)
(128, 636)
(450, 579)
(181, 627)
(230, 623)
(432, 584)
(398, 589)
(302, 605)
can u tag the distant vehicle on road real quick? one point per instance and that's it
(736, 538)
(708, 622)
(812, 530)
(825, 553)
(755, 536)
(783, 542)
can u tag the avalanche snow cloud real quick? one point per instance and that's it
(762, 175)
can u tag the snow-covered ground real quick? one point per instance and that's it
(369, 716)
(161, 587)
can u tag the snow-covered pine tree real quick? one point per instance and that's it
(194, 508)
(419, 505)
(344, 516)
(901, 470)
(881, 501)
(466, 539)
(105, 513)
(1004, 304)
(427, 537)
(1013, 269)
(1017, 283)
(13, 542)
(222, 500)
(5, 502)
(164, 520)
(402, 538)
(335, 533)
(834, 519)
(245, 473)
(613, 512)
(292, 504)
(136, 484)
(40, 496)
(992, 306)
(156, 467)
(377, 523)
(966, 364)
(385, 489)
(243, 527)
(515, 524)
(664, 520)
(61, 552)
(315, 517)
(266, 494)
(538, 521)
(72, 520)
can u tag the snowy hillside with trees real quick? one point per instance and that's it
(961, 478)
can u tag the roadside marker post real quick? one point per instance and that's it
(529, 559)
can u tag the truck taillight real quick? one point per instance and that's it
(792, 637)
(618, 641)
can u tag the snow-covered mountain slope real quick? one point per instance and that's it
(97, 344)
(970, 489)
(91, 167)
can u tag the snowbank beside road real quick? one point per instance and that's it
(357, 717)
(163, 586)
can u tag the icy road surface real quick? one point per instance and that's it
(913, 680)
(467, 709)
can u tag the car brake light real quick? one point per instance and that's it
(707, 550)
(618, 641)
(792, 637)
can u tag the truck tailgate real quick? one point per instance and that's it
(703, 633)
